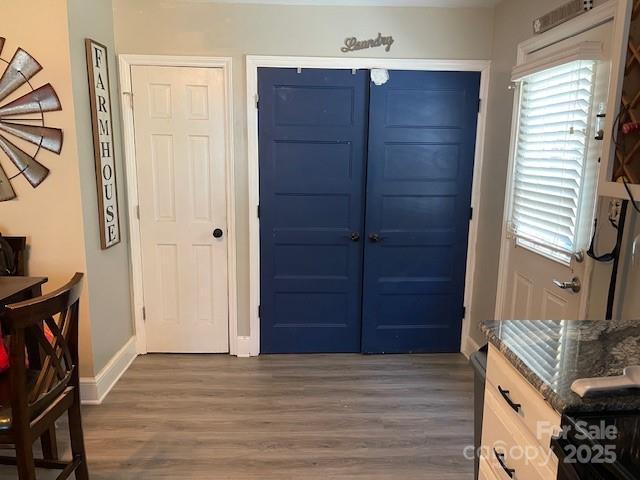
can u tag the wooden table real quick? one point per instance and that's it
(17, 289)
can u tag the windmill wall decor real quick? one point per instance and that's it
(22, 118)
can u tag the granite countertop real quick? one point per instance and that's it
(552, 354)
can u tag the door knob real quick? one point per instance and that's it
(574, 285)
(374, 237)
(217, 233)
(355, 236)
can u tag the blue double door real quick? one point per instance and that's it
(365, 195)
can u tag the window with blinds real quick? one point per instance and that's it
(550, 157)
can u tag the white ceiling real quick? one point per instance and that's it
(364, 3)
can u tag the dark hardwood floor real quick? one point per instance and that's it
(282, 417)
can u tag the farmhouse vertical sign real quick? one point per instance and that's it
(102, 123)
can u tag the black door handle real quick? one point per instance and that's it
(500, 458)
(374, 237)
(355, 236)
(507, 398)
(217, 233)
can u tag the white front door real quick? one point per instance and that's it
(180, 152)
(535, 282)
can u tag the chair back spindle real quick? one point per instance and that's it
(19, 247)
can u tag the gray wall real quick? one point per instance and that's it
(627, 304)
(512, 24)
(107, 270)
(628, 300)
(198, 28)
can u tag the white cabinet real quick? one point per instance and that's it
(517, 426)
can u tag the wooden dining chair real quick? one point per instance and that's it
(19, 247)
(48, 387)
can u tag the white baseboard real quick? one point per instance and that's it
(93, 390)
(469, 346)
(243, 347)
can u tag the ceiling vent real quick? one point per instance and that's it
(561, 14)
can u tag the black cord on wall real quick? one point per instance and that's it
(616, 260)
(615, 254)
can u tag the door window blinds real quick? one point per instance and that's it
(550, 158)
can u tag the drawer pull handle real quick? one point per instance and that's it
(505, 394)
(500, 458)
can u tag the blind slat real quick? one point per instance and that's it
(545, 202)
(544, 207)
(551, 191)
(551, 127)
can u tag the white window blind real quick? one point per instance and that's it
(550, 156)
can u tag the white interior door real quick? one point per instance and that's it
(180, 152)
(527, 287)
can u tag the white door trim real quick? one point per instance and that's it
(598, 16)
(256, 61)
(125, 64)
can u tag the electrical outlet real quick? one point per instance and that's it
(614, 210)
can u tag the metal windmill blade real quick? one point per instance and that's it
(43, 99)
(33, 170)
(45, 137)
(20, 69)
(23, 118)
(6, 190)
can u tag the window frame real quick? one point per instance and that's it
(587, 51)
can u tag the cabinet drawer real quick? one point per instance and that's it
(520, 398)
(508, 448)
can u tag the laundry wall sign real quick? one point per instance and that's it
(351, 44)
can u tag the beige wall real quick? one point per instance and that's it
(108, 270)
(199, 28)
(60, 217)
(51, 215)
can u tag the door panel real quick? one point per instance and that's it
(180, 151)
(312, 148)
(523, 295)
(553, 306)
(422, 131)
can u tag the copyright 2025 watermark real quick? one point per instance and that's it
(584, 442)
